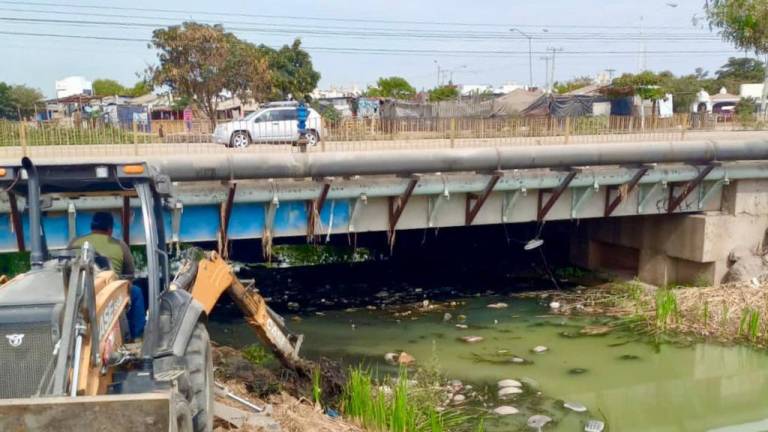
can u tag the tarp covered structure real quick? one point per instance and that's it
(564, 106)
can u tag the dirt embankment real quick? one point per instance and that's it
(284, 396)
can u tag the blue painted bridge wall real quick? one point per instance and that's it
(197, 224)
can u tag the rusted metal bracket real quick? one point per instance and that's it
(623, 191)
(225, 215)
(125, 220)
(476, 202)
(544, 208)
(397, 205)
(508, 202)
(71, 221)
(18, 229)
(315, 206)
(688, 187)
(360, 201)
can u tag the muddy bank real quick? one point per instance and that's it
(730, 313)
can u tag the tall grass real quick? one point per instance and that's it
(317, 389)
(396, 411)
(666, 308)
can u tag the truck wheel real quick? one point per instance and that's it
(200, 368)
(312, 138)
(240, 139)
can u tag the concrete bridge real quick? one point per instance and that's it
(692, 202)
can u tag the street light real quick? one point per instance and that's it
(438, 73)
(530, 54)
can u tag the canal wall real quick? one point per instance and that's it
(685, 249)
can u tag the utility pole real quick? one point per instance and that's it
(530, 55)
(610, 74)
(643, 55)
(554, 55)
(546, 72)
(438, 73)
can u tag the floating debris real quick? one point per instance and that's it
(629, 357)
(554, 305)
(594, 426)
(509, 391)
(540, 349)
(530, 382)
(447, 317)
(509, 383)
(292, 306)
(596, 330)
(462, 326)
(391, 358)
(538, 421)
(577, 371)
(458, 398)
(505, 410)
(405, 359)
(575, 407)
(519, 360)
(471, 339)
(499, 305)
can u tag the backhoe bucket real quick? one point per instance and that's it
(150, 412)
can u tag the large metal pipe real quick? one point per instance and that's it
(234, 165)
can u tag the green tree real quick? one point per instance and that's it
(392, 87)
(292, 71)
(745, 24)
(7, 108)
(108, 87)
(203, 62)
(25, 99)
(574, 84)
(743, 69)
(140, 88)
(443, 93)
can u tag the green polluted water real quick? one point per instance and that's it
(626, 382)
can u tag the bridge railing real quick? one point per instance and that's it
(91, 138)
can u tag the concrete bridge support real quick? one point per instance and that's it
(682, 248)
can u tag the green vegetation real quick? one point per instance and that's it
(309, 254)
(317, 389)
(52, 134)
(571, 85)
(394, 405)
(444, 93)
(257, 355)
(666, 308)
(18, 101)
(12, 264)
(109, 87)
(393, 87)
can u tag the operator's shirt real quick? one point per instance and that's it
(118, 253)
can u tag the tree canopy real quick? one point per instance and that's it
(571, 85)
(110, 87)
(443, 93)
(18, 99)
(392, 87)
(741, 22)
(203, 62)
(292, 71)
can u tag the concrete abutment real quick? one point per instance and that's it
(680, 248)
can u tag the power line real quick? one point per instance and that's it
(368, 34)
(329, 19)
(371, 50)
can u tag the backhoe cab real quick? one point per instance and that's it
(65, 365)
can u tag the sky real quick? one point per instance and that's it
(356, 42)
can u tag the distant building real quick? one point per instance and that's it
(720, 103)
(473, 89)
(74, 85)
(754, 91)
(336, 92)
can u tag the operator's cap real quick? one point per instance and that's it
(102, 221)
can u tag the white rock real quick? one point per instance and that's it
(509, 391)
(498, 305)
(538, 421)
(575, 406)
(462, 326)
(391, 358)
(518, 360)
(509, 383)
(506, 410)
(554, 305)
(540, 349)
(458, 398)
(456, 384)
(472, 339)
(447, 317)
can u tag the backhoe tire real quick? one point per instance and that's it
(182, 415)
(200, 368)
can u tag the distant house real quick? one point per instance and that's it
(74, 85)
(720, 103)
(515, 102)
